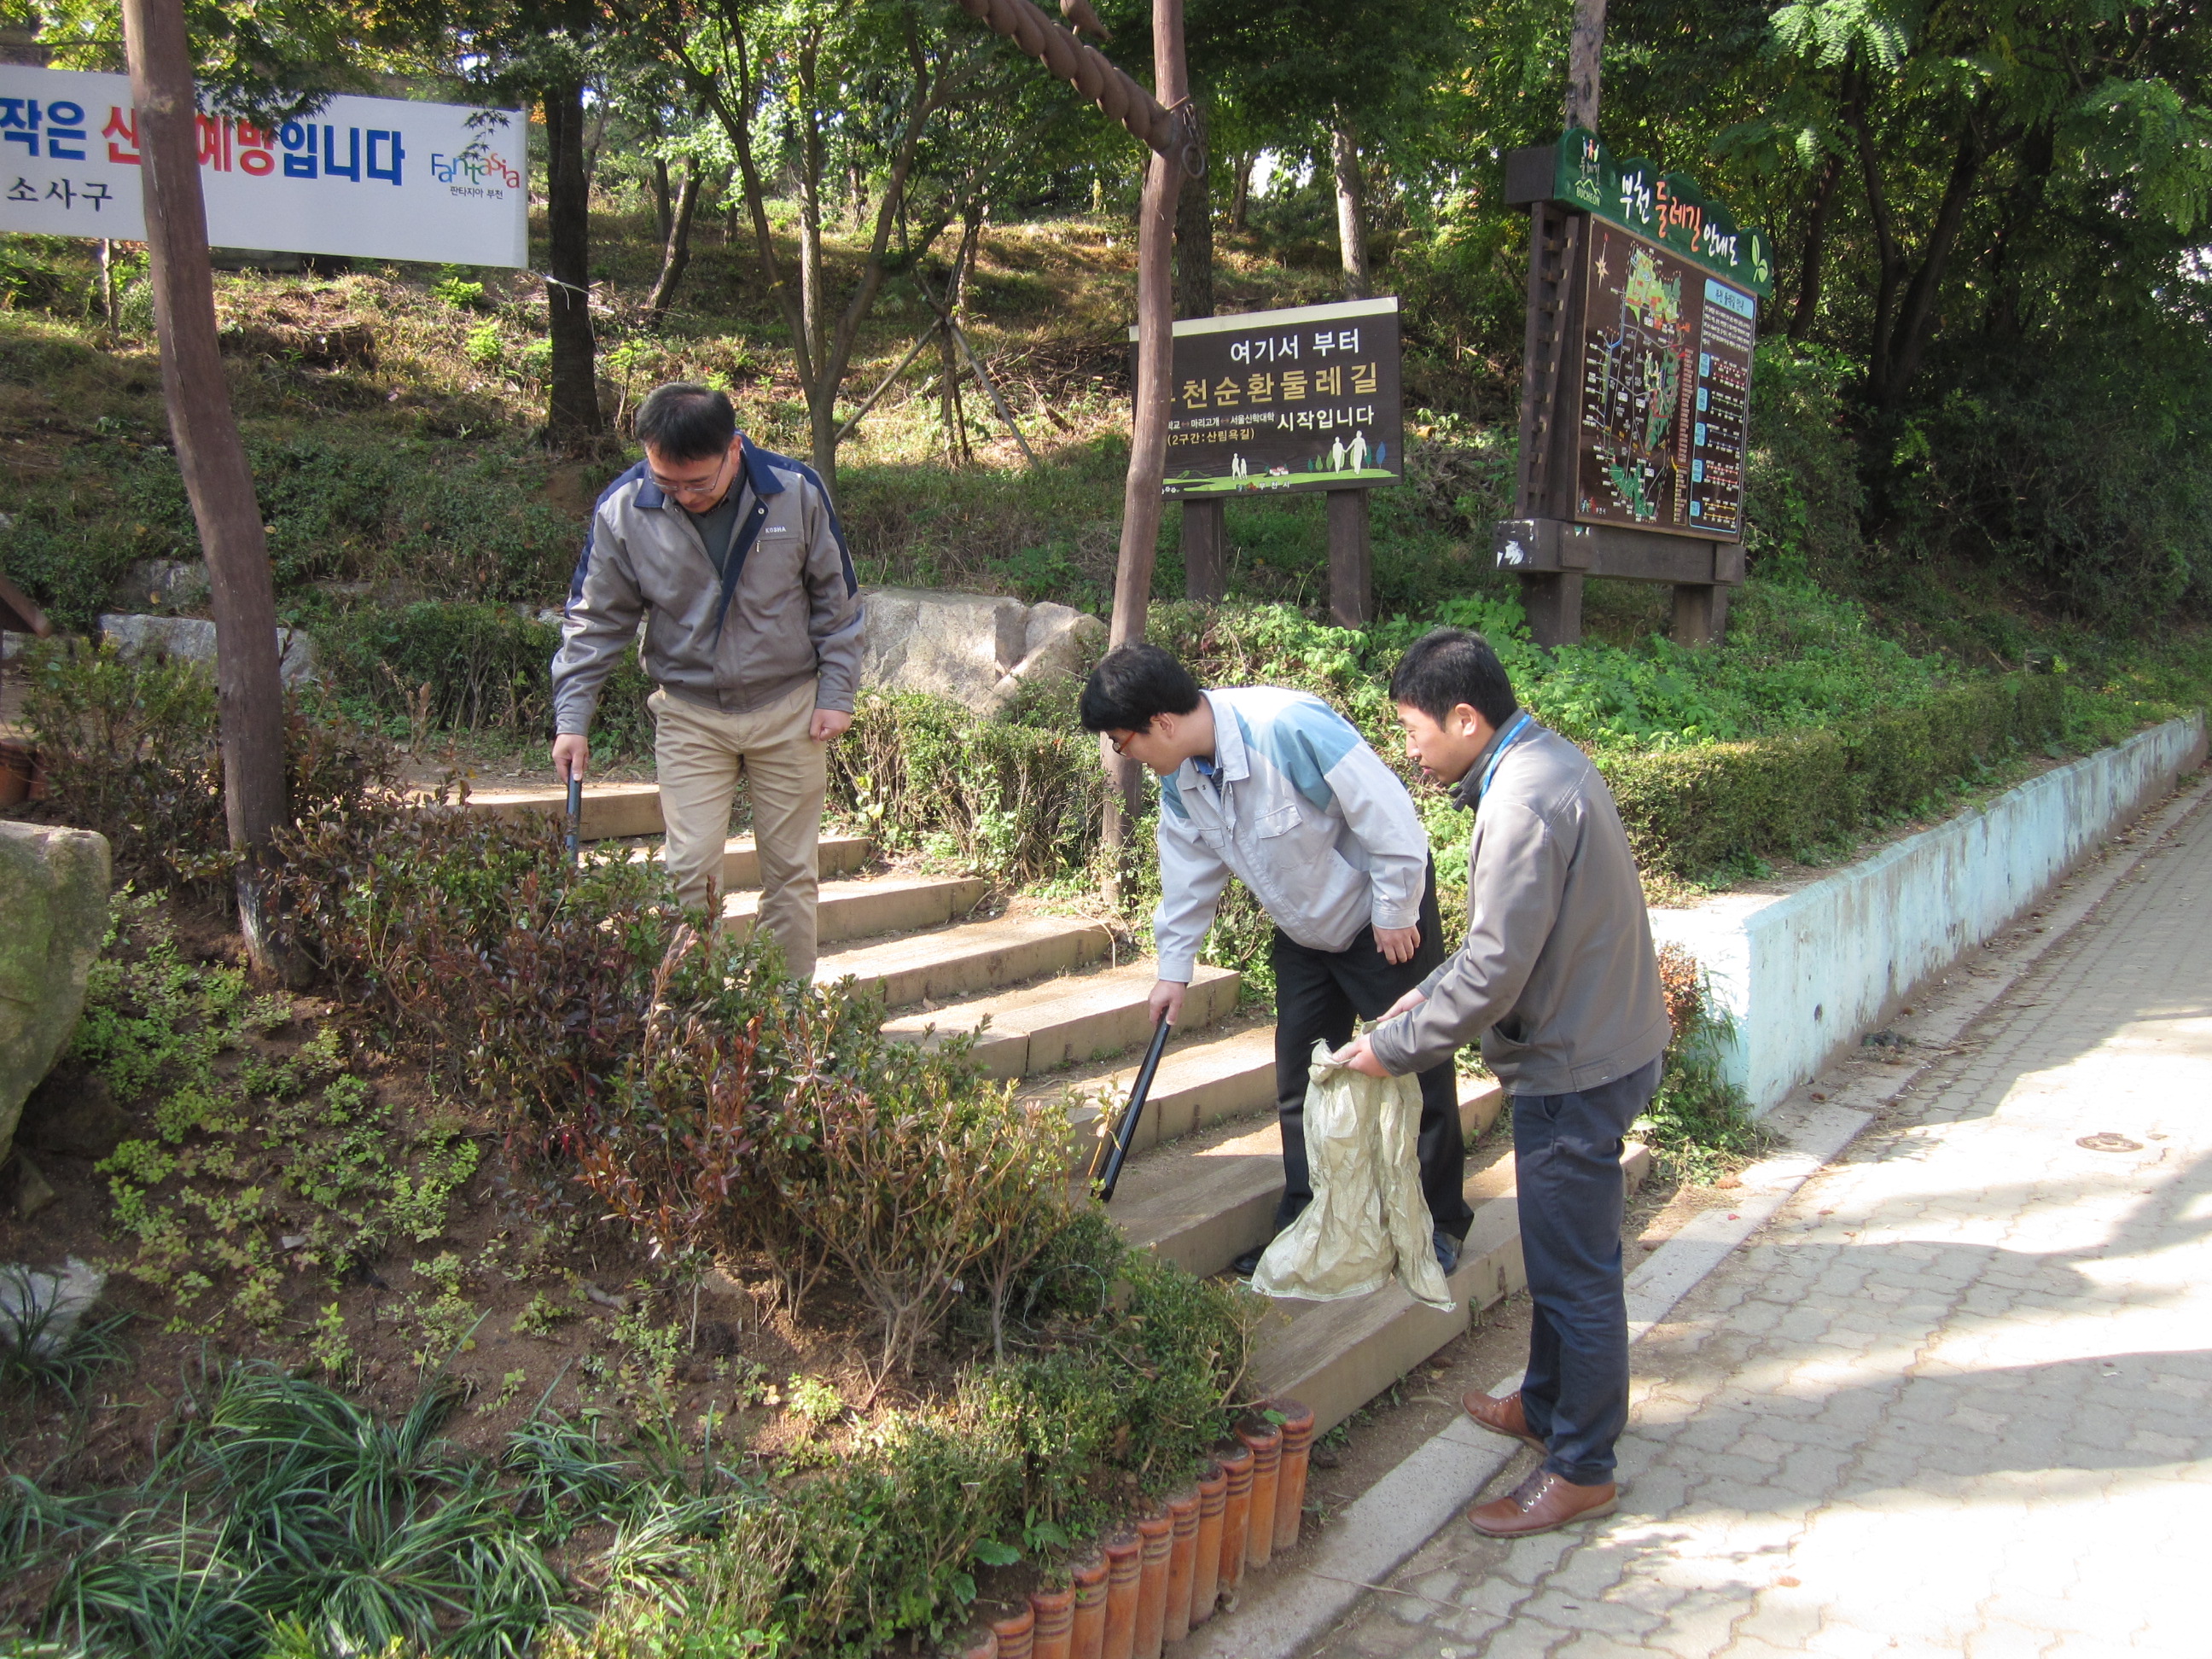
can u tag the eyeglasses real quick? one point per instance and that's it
(693, 486)
(1121, 744)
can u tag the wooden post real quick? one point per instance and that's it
(1141, 505)
(1205, 548)
(1700, 613)
(1585, 48)
(210, 453)
(1351, 578)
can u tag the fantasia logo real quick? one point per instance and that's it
(476, 165)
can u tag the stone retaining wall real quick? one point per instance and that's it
(1806, 973)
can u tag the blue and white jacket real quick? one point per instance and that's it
(1304, 812)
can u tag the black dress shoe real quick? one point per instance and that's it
(1447, 1250)
(1248, 1263)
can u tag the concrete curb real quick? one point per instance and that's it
(1395, 1516)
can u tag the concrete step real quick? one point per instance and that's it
(863, 909)
(1204, 1208)
(961, 960)
(611, 811)
(1067, 1021)
(1204, 1080)
(1337, 1356)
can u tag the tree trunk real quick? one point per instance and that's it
(1816, 246)
(1240, 198)
(575, 408)
(1148, 444)
(663, 214)
(1917, 316)
(1351, 207)
(210, 453)
(1194, 233)
(676, 253)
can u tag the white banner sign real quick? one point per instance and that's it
(376, 178)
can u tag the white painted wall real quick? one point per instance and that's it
(1805, 973)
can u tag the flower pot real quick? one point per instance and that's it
(1182, 1551)
(1205, 1565)
(1056, 1619)
(1121, 1570)
(1016, 1633)
(1291, 1472)
(1155, 1540)
(1086, 1638)
(1265, 1441)
(1236, 1514)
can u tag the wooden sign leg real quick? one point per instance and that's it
(1700, 613)
(1351, 563)
(1205, 548)
(1554, 603)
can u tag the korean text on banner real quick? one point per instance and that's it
(373, 178)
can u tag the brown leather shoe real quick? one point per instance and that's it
(1539, 1503)
(1501, 1416)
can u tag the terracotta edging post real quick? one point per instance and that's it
(1121, 1570)
(1236, 1514)
(1055, 1616)
(981, 1645)
(1267, 1443)
(1087, 1635)
(1290, 1473)
(1205, 1568)
(1155, 1537)
(1017, 1633)
(1182, 1551)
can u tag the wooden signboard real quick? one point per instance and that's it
(1301, 398)
(1643, 314)
(1304, 399)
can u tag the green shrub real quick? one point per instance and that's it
(129, 746)
(1020, 798)
(1693, 811)
(1698, 1124)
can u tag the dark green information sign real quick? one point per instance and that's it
(1665, 207)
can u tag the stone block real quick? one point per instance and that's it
(190, 639)
(979, 649)
(54, 892)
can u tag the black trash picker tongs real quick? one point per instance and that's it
(1116, 1152)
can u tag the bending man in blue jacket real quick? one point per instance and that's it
(1276, 788)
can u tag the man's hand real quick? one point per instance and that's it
(572, 755)
(1406, 1004)
(1397, 944)
(1166, 1001)
(828, 725)
(1359, 1055)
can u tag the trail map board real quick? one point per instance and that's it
(1666, 377)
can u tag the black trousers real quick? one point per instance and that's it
(1317, 995)
(1566, 1164)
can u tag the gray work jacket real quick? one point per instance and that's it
(1558, 976)
(788, 613)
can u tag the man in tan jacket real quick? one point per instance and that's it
(1558, 981)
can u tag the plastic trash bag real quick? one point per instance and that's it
(1368, 1219)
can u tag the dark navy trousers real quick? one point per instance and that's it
(1566, 1162)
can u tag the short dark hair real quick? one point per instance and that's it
(1448, 667)
(1131, 684)
(685, 420)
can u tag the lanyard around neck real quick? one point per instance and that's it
(1514, 733)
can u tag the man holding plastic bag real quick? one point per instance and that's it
(1276, 787)
(1559, 980)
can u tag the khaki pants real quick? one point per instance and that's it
(699, 754)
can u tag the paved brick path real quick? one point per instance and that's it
(1957, 1399)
